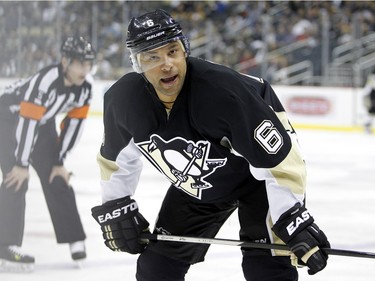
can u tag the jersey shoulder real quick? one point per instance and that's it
(125, 87)
(214, 82)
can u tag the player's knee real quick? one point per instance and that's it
(259, 268)
(152, 266)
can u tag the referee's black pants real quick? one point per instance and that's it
(59, 196)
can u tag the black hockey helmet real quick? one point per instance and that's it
(78, 48)
(153, 30)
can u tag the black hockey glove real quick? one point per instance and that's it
(121, 224)
(297, 229)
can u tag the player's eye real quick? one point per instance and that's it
(150, 58)
(174, 52)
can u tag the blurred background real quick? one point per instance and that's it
(315, 43)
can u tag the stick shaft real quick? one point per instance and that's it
(246, 244)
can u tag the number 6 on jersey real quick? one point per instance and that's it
(268, 137)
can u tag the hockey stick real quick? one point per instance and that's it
(246, 244)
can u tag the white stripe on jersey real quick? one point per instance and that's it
(45, 83)
(69, 136)
(54, 109)
(31, 87)
(18, 134)
(79, 133)
(28, 143)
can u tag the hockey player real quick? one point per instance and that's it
(224, 142)
(29, 136)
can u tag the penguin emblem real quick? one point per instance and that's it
(185, 163)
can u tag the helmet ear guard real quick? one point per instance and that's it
(150, 31)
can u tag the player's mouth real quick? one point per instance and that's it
(169, 80)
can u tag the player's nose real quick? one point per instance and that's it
(167, 63)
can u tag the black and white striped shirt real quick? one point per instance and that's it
(37, 100)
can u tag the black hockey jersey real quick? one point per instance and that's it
(38, 100)
(224, 130)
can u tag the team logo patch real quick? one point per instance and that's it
(185, 163)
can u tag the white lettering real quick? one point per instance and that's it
(293, 226)
(149, 23)
(118, 212)
(154, 35)
(305, 215)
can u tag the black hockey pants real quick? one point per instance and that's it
(60, 198)
(179, 215)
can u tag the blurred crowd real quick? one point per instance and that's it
(234, 33)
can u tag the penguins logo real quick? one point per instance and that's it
(184, 163)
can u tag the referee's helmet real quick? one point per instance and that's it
(78, 48)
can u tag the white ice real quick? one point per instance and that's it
(341, 196)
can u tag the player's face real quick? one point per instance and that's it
(165, 68)
(75, 71)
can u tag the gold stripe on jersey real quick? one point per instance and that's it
(79, 113)
(282, 116)
(32, 111)
(107, 167)
(291, 172)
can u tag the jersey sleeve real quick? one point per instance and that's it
(119, 177)
(71, 130)
(71, 127)
(119, 158)
(249, 119)
(31, 111)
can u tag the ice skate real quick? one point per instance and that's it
(13, 260)
(78, 252)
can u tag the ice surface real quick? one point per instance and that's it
(341, 196)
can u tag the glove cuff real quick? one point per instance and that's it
(292, 222)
